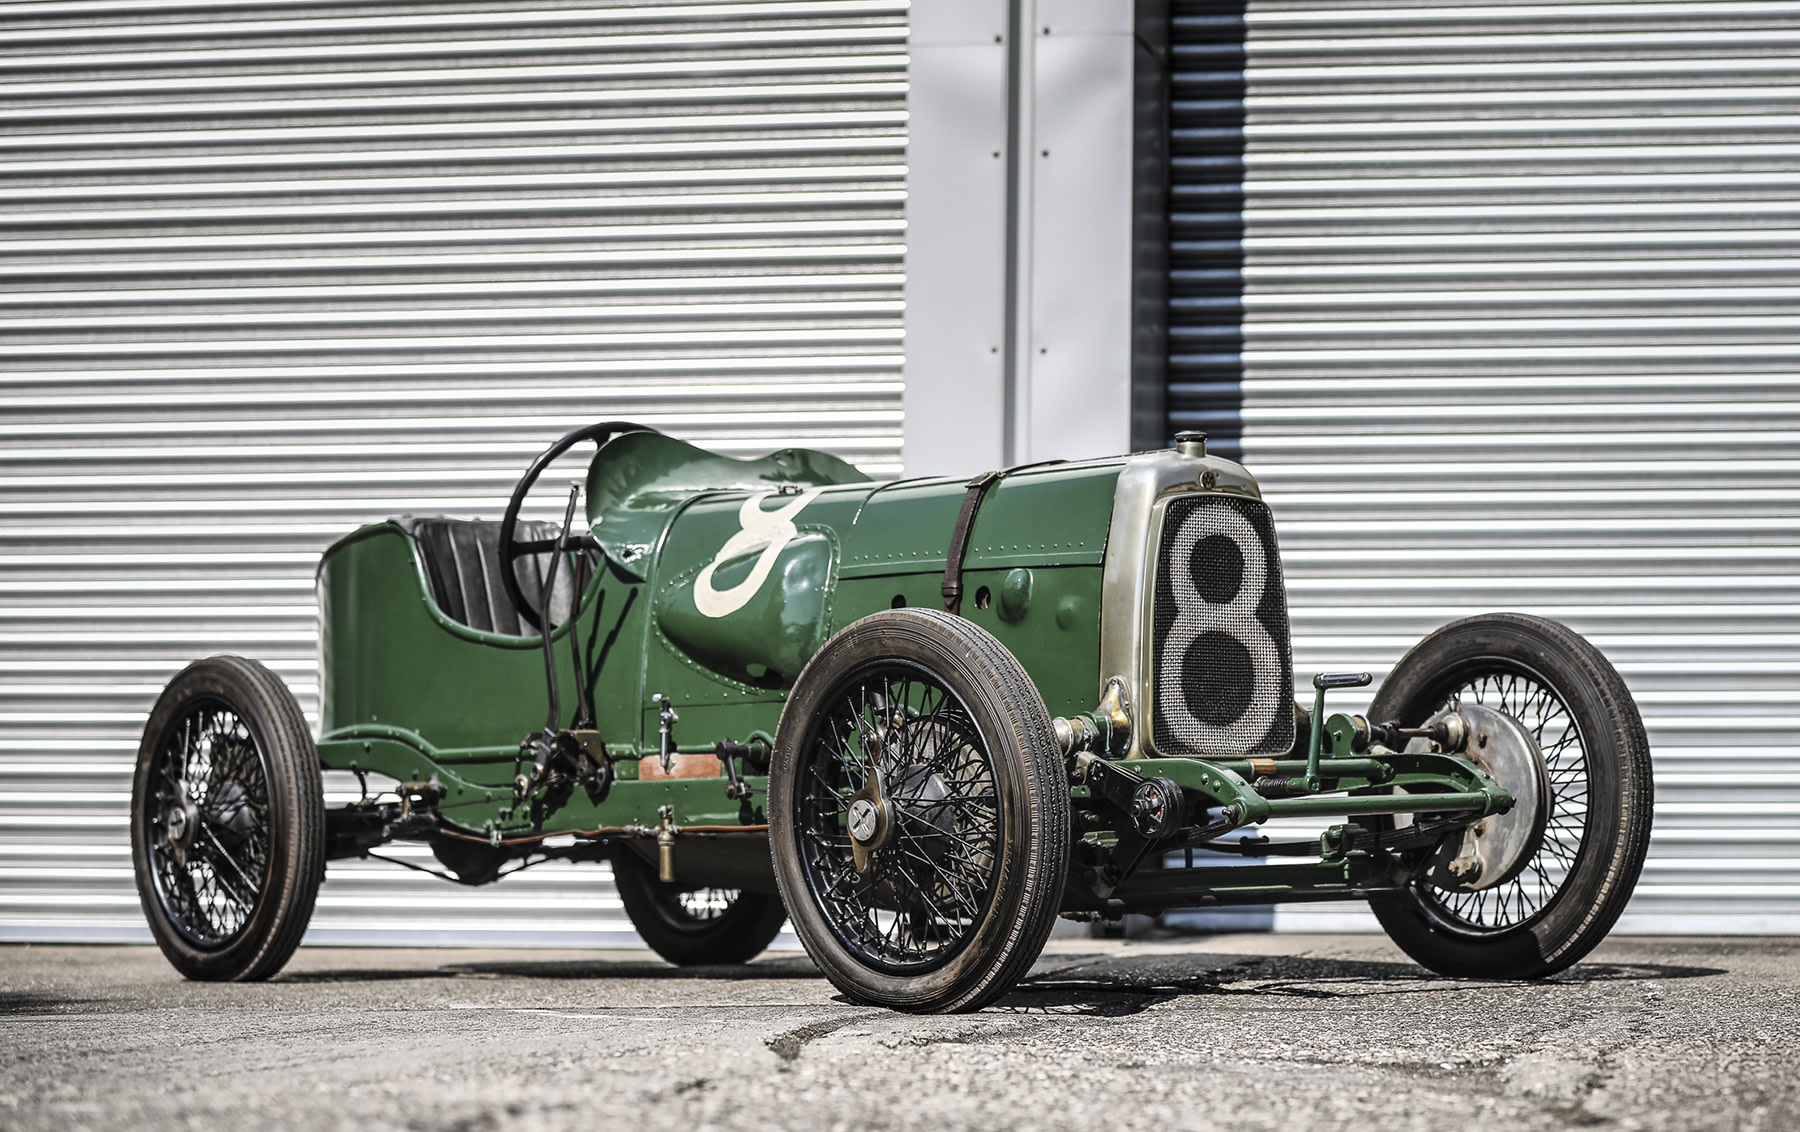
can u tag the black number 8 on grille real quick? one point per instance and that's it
(1223, 672)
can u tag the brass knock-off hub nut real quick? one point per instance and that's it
(865, 820)
(181, 825)
(184, 822)
(870, 818)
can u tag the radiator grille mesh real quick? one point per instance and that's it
(1223, 672)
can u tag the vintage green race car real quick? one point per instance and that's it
(919, 718)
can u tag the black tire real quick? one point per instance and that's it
(227, 821)
(691, 926)
(979, 820)
(1582, 716)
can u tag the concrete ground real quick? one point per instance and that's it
(1224, 1032)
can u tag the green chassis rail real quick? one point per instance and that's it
(1115, 867)
(1339, 777)
(1373, 786)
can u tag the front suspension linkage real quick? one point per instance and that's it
(1154, 811)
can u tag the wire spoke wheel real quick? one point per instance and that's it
(209, 824)
(227, 821)
(1579, 876)
(691, 924)
(922, 892)
(918, 813)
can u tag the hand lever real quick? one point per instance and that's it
(1322, 682)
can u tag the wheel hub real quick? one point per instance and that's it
(870, 817)
(1497, 848)
(917, 797)
(181, 823)
(865, 818)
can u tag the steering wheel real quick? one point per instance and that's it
(512, 550)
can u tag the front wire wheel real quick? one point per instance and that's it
(918, 812)
(227, 821)
(926, 888)
(1578, 711)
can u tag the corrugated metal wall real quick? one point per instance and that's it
(269, 270)
(1521, 298)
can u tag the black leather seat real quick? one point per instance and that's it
(462, 562)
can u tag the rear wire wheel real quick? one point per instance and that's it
(690, 926)
(919, 813)
(227, 821)
(1578, 711)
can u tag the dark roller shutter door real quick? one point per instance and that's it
(1206, 228)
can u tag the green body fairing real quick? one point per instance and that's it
(411, 694)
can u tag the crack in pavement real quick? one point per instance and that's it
(787, 1046)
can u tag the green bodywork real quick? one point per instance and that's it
(411, 694)
(672, 611)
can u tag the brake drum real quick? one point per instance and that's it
(1495, 849)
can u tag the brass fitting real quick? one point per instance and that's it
(1106, 729)
(665, 844)
(1115, 705)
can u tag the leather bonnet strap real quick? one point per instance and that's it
(965, 519)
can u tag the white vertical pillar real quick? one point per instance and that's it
(1019, 228)
(955, 395)
(1074, 394)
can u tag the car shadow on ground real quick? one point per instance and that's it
(32, 1002)
(1107, 985)
(774, 967)
(1114, 986)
